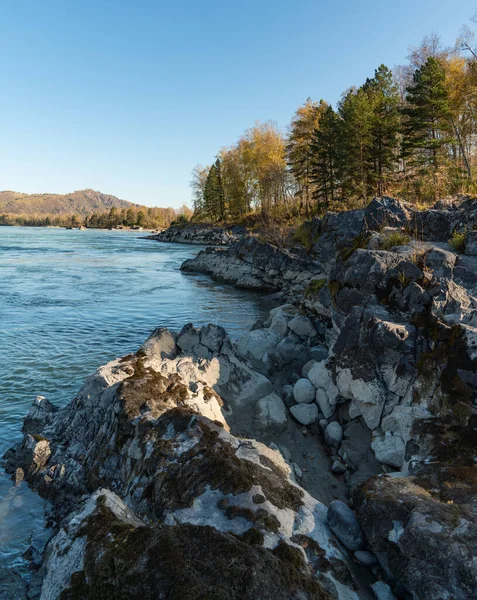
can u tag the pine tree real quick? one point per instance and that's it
(356, 112)
(219, 190)
(299, 147)
(427, 128)
(214, 197)
(383, 94)
(325, 159)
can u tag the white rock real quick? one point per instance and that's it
(302, 326)
(321, 378)
(305, 413)
(353, 410)
(303, 391)
(333, 434)
(255, 344)
(161, 343)
(389, 449)
(322, 400)
(270, 413)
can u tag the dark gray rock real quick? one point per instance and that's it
(333, 434)
(198, 234)
(423, 530)
(306, 414)
(252, 264)
(12, 585)
(366, 558)
(344, 524)
(471, 243)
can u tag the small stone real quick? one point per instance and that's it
(322, 424)
(338, 467)
(297, 471)
(306, 367)
(365, 557)
(258, 499)
(306, 414)
(287, 391)
(319, 353)
(322, 400)
(382, 591)
(19, 475)
(344, 524)
(303, 391)
(333, 434)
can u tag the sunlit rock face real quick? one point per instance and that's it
(150, 429)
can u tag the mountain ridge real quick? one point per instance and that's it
(80, 202)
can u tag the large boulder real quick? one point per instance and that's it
(423, 531)
(104, 551)
(152, 429)
(270, 413)
(344, 524)
(255, 344)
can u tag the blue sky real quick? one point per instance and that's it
(126, 97)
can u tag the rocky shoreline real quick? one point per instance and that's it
(331, 453)
(199, 235)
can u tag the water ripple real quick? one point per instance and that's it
(69, 302)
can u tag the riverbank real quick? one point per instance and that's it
(199, 234)
(362, 388)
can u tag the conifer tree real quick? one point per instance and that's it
(299, 147)
(383, 94)
(326, 159)
(214, 198)
(356, 114)
(427, 127)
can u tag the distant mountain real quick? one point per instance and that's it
(82, 202)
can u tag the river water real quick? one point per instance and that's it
(71, 301)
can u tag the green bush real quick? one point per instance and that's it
(457, 241)
(396, 238)
(314, 288)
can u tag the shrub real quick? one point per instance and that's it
(304, 235)
(314, 288)
(457, 241)
(396, 238)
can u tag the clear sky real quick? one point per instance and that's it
(127, 96)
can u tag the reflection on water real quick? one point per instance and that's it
(69, 302)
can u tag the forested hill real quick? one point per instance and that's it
(81, 202)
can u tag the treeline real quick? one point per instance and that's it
(410, 132)
(148, 218)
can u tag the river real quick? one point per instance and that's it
(71, 301)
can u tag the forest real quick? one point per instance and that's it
(409, 132)
(134, 216)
